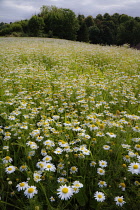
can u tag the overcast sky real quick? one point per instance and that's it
(14, 10)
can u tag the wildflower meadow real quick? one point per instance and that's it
(69, 125)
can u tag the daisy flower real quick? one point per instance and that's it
(99, 196)
(131, 154)
(77, 184)
(92, 163)
(137, 183)
(10, 169)
(65, 192)
(22, 186)
(7, 159)
(30, 191)
(100, 171)
(34, 146)
(49, 143)
(112, 135)
(41, 165)
(119, 200)
(61, 180)
(127, 158)
(73, 169)
(50, 167)
(43, 152)
(122, 186)
(60, 166)
(102, 163)
(102, 184)
(134, 168)
(31, 153)
(39, 138)
(64, 173)
(52, 199)
(6, 147)
(47, 158)
(137, 147)
(37, 177)
(86, 152)
(100, 134)
(23, 168)
(63, 143)
(58, 150)
(106, 147)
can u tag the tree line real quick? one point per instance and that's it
(62, 23)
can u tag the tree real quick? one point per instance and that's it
(62, 23)
(106, 35)
(99, 17)
(136, 33)
(94, 35)
(6, 30)
(115, 18)
(35, 25)
(126, 32)
(82, 33)
(70, 24)
(16, 27)
(24, 24)
(124, 18)
(89, 21)
(53, 20)
(107, 17)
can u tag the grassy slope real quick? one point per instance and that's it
(95, 86)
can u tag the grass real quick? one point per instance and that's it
(66, 107)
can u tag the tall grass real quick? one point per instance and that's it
(69, 112)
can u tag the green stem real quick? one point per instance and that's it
(10, 204)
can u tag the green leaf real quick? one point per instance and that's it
(81, 197)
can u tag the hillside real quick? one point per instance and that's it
(70, 123)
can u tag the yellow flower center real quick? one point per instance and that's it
(48, 166)
(102, 126)
(101, 171)
(22, 184)
(41, 165)
(120, 200)
(65, 190)
(135, 166)
(127, 156)
(9, 169)
(122, 184)
(47, 158)
(30, 190)
(102, 182)
(73, 168)
(37, 177)
(7, 158)
(23, 167)
(100, 196)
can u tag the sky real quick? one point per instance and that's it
(16, 10)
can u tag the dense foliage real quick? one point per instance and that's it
(105, 29)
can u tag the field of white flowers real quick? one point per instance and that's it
(69, 125)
